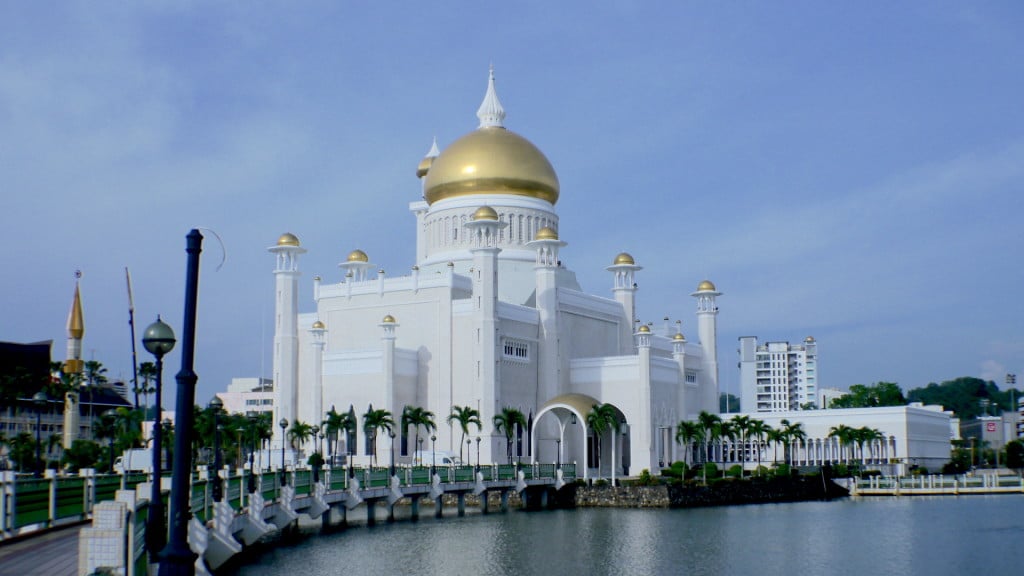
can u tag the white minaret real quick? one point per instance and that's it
(356, 266)
(483, 228)
(286, 333)
(547, 244)
(643, 349)
(707, 331)
(387, 326)
(624, 269)
(73, 367)
(315, 395)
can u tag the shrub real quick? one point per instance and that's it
(600, 483)
(711, 470)
(646, 479)
(782, 470)
(735, 471)
(761, 471)
(678, 469)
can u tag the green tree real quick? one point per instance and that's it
(846, 436)
(465, 415)
(147, 372)
(505, 422)
(1015, 455)
(728, 403)
(600, 419)
(337, 423)
(879, 394)
(965, 397)
(375, 421)
(82, 454)
(416, 416)
(742, 426)
(758, 430)
(298, 434)
(792, 432)
(687, 434)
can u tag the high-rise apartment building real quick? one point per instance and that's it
(778, 376)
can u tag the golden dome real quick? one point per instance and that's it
(809, 339)
(318, 325)
(288, 239)
(389, 319)
(358, 256)
(546, 233)
(491, 160)
(644, 329)
(706, 286)
(485, 213)
(679, 337)
(624, 258)
(424, 166)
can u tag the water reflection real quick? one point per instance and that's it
(885, 536)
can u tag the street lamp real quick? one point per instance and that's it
(110, 416)
(238, 444)
(40, 399)
(283, 424)
(218, 489)
(252, 457)
(316, 450)
(433, 454)
(392, 435)
(558, 455)
(158, 339)
(477, 453)
(469, 453)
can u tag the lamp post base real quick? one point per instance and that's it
(177, 561)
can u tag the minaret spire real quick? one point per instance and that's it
(490, 112)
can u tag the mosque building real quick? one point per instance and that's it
(490, 317)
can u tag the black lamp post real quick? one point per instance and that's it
(218, 488)
(433, 454)
(469, 452)
(240, 459)
(283, 424)
(558, 456)
(158, 339)
(392, 435)
(40, 399)
(252, 457)
(177, 558)
(316, 450)
(477, 453)
(110, 417)
(322, 460)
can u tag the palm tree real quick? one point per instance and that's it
(416, 416)
(775, 436)
(299, 433)
(742, 426)
(758, 429)
(865, 435)
(336, 423)
(600, 418)
(709, 425)
(95, 375)
(687, 433)
(147, 373)
(726, 431)
(844, 434)
(505, 422)
(373, 421)
(465, 415)
(791, 432)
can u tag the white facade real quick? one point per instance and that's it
(778, 376)
(913, 435)
(489, 317)
(249, 396)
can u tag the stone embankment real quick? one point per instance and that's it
(721, 493)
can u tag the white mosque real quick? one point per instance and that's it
(489, 317)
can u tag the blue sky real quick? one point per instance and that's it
(851, 172)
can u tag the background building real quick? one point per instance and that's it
(249, 396)
(778, 376)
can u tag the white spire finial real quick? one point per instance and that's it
(490, 112)
(434, 152)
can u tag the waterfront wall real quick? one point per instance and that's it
(726, 492)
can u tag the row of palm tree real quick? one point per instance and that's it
(855, 437)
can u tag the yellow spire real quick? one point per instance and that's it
(76, 322)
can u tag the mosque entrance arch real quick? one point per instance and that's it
(575, 441)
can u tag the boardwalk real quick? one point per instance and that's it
(51, 554)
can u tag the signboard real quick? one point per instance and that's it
(990, 426)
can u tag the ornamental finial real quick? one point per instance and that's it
(490, 112)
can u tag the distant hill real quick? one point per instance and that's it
(965, 396)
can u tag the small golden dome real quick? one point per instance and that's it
(288, 239)
(679, 337)
(424, 166)
(644, 329)
(546, 233)
(358, 256)
(706, 286)
(389, 319)
(317, 278)
(491, 160)
(318, 325)
(809, 339)
(624, 258)
(485, 213)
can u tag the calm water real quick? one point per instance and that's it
(933, 536)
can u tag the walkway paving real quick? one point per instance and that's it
(53, 553)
